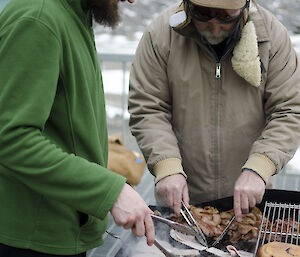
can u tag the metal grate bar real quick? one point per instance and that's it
(280, 222)
(261, 225)
(298, 229)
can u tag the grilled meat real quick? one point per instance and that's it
(212, 222)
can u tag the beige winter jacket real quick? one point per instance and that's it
(207, 118)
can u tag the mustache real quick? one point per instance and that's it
(214, 40)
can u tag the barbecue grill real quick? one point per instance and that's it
(281, 223)
(276, 205)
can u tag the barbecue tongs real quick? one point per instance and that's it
(224, 231)
(178, 227)
(192, 224)
(189, 230)
(199, 230)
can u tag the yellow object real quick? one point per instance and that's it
(124, 161)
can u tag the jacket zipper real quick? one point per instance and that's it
(218, 147)
(218, 122)
(218, 88)
(218, 118)
(218, 114)
(218, 70)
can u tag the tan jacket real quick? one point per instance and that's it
(207, 118)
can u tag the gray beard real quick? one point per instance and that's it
(214, 40)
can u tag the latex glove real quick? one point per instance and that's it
(131, 212)
(249, 190)
(171, 190)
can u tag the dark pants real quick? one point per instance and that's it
(7, 251)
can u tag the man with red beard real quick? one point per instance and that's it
(55, 189)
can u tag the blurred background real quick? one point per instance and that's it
(137, 16)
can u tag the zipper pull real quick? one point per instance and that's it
(218, 70)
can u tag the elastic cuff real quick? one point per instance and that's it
(166, 168)
(261, 165)
(256, 174)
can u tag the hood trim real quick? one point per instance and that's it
(245, 61)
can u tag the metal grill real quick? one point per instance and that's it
(280, 222)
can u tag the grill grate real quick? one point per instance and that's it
(280, 222)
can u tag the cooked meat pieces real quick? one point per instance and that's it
(279, 227)
(212, 222)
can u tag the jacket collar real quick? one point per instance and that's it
(78, 4)
(259, 23)
(80, 8)
(245, 60)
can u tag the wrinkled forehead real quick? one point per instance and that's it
(221, 4)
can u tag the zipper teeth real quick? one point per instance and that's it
(218, 138)
(218, 121)
(218, 85)
(218, 88)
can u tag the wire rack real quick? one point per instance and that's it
(280, 222)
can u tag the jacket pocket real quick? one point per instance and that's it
(84, 219)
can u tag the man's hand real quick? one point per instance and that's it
(131, 212)
(171, 190)
(249, 190)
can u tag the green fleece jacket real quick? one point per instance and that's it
(55, 190)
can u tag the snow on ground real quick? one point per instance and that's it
(113, 81)
(293, 167)
(113, 84)
(296, 43)
(107, 43)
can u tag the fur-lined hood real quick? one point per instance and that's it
(245, 61)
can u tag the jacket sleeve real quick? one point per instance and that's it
(281, 136)
(150, 107)
(29, 71)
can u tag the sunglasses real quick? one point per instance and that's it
(223, 16)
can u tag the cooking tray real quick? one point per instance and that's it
(281, 223)
(224, 204)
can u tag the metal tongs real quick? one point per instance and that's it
(192, 224)
(190, 230)
(200, 236)
(224, 231)
(176, 226)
